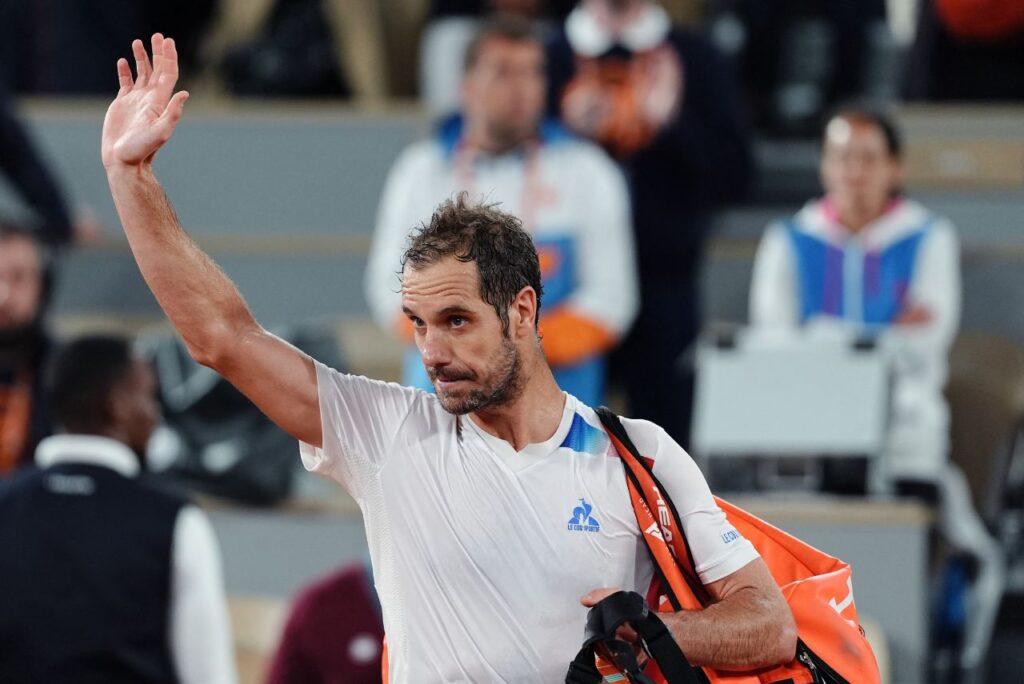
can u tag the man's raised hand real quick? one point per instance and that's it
(143, 115)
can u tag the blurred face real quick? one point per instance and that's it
(857, 170)
(614, 14)
(21, 282)
(134, 409)
(472, 363)
(503, 92)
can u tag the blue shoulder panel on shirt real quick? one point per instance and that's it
(583, 437)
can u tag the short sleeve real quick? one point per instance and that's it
(718, 548)
(360, 418)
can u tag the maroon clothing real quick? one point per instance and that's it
(334, 633)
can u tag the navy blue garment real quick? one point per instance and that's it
(698, 161)
(85, 577)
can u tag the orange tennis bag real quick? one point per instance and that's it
(831, 647)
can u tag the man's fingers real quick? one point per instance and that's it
(168, 75)
(594, 597)
(124, 75)
(157, 43)
(169, 119)
(142, 66)
(627, 633)
(170, 61)
(163, 127)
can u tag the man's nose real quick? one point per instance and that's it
(434, 348)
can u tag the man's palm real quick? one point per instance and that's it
(143, 115)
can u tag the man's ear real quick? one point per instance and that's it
(116, 408)
(523, 313)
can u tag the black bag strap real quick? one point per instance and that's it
(604, 619)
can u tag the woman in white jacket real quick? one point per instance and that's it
(868, 260)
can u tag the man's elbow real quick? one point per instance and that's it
(217, 346)
(206, 352)
(781, 647)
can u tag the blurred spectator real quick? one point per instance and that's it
(968, 51)
(314, 48)
(25, 345)
(293, 55)
(868, 258)
(68, 46)
(664, 102)
(452, 24)
(107, 577)
(798, 58)
(22, 166)
(568, 194)
(334, 633)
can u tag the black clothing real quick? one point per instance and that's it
(85, 577)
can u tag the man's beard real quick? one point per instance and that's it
(507, 135)
(502, 387)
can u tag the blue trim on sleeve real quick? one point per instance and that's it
(583, 437)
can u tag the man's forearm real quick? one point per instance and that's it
(197, 296)
(742, 632)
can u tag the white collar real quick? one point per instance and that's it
(90, 449)
(533, 452)
(588, 38)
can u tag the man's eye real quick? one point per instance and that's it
(457, 321)
(416, 322)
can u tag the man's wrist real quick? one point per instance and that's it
(675, 622)
(117, 172)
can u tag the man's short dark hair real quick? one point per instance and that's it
(512, 29)
(503, 251)
(875, 116)
(9, 229)
(82, 378)
(12, 230)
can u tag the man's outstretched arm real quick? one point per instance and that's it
(200, 300)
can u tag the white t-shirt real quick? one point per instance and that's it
(480, 553)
